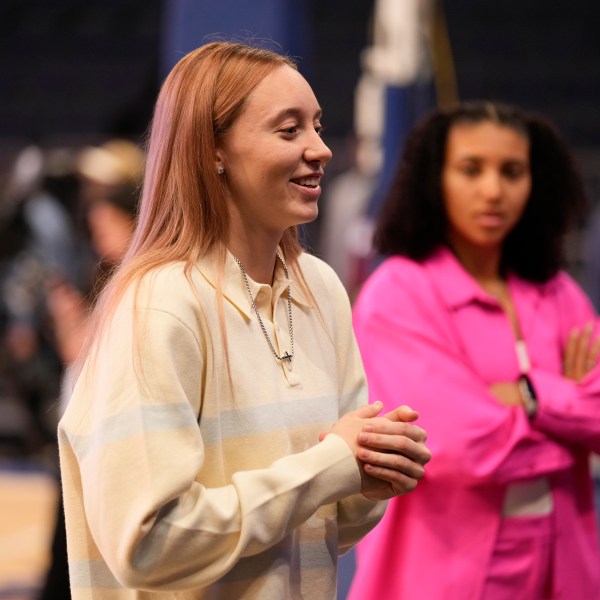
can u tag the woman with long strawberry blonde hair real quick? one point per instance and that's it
(217, 442)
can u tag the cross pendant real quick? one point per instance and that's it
(286, 356)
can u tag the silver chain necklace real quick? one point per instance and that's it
(285, 356)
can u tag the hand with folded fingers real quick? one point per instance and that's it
(390, 450)
(581, 352)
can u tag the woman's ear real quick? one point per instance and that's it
(219, 162)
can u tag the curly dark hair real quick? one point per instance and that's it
(412, 221)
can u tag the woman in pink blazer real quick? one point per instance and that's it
(472, 322)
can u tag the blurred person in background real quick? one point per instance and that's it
(472, 319)
(38, 243)
(110, 177)
(210, 447)
(346, 198)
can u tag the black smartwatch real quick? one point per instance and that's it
(530, 403)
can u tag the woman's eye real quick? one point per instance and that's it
(290, 130)
(514, 172)
(469, 170)
(319, 129)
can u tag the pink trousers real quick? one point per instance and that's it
(521, 565)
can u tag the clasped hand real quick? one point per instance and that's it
(389, 449)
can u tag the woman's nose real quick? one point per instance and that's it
(491, 185)
(317, 150)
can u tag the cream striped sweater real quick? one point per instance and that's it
(175, 489)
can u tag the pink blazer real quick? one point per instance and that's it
(431, 338)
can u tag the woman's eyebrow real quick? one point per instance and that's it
(293, 112)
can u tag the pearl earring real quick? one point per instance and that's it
(220, 170)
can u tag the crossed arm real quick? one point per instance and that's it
(581, 355)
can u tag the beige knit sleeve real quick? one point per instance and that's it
(132, 451)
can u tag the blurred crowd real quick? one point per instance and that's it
(66, 216)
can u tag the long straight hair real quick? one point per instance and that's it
(183, 211)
